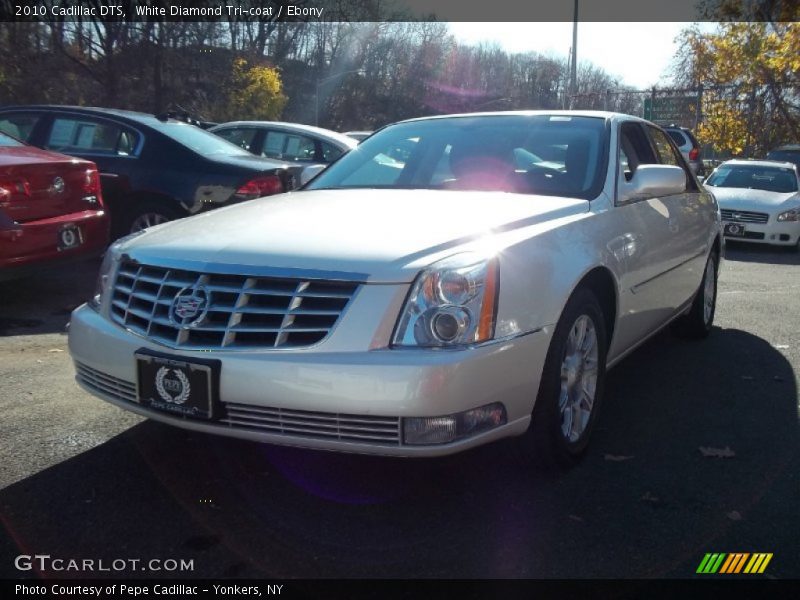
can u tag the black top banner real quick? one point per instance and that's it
(400, 10)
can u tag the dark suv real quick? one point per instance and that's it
(789, 153)
(152, 169)
(688, 145)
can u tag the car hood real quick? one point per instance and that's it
(752, 200)
(367, 234)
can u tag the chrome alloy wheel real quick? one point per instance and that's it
(708, 290)
(578, 379)
(146, 220)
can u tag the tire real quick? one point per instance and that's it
(558, 436)
(146, 214)
(698, 322)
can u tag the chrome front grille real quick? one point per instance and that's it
(234, 311)
(744, 216)
(317, 425)
(359, 429)
(106, 384)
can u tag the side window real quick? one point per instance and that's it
(85, 135)
(242, 137)
(677, 137)
(330, 152)
(19, 125)
(634, 149)
(666, 153)
(625, 163)
(289, 146)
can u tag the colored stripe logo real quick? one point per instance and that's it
(735, 562)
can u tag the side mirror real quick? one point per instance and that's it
(652, 181)
(309, 173)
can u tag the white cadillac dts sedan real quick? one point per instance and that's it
(474, 286)
(759, 201)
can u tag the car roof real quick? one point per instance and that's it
(612, 116)
(749, 162)
(789, 147)
(326, 134)
(130, 115)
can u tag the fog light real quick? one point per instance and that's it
(449, 428)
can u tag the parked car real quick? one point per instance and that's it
(789, 153)
(417, 310)
(152, 169)
(359, 136)
(51, 209)
(759, 201)
(291, 142)
(689, 147)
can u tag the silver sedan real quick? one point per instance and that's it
(433, 290)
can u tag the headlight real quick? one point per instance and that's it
(105, 276)
(452, 303)
(790, 215)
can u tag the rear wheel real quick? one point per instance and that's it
(697, 323)
(147, 214)
(571, 387)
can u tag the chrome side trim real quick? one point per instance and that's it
(640, 285)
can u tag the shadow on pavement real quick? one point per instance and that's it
(761, 253)
(42, 303)
(646, 502)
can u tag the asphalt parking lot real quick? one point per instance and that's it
(697, 451)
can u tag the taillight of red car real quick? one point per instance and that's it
(263, 185)
(91, 187)
(14, 189)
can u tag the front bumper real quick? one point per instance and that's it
(783, 233)
(351, 385)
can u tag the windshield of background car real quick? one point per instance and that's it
(772, 179)
(555, 155)
(199, 140)
(9, 141)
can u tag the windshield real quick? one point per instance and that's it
(557, 155)
(771, 179)
(199, 140)
(6, 140)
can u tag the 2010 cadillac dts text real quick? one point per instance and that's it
(451, 281)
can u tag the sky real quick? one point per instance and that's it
(638, 54)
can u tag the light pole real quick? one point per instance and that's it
(573, 78)
(325, 80)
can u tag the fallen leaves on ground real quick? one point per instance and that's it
(616, 458)
(576, 518)
(725, 452)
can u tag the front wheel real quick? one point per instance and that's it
(697, 323)
(571, 388)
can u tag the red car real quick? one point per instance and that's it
(51, 209)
